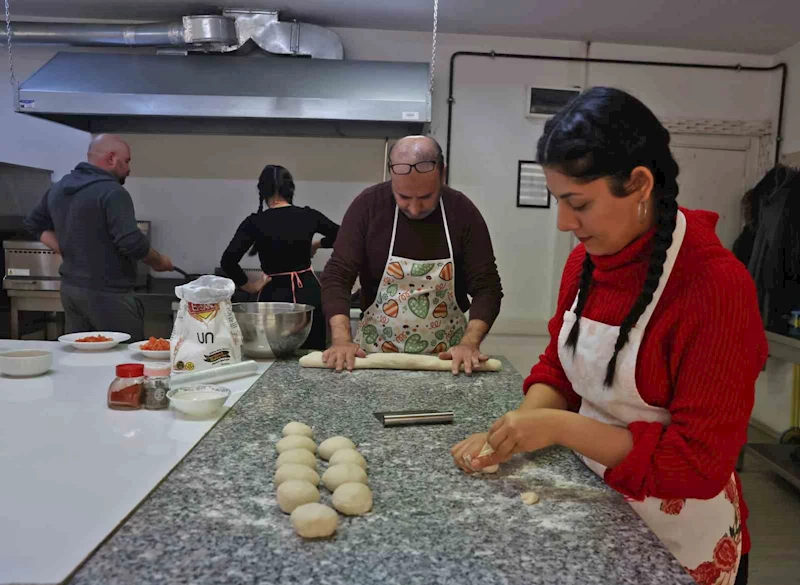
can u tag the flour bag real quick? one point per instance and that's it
(206, 334)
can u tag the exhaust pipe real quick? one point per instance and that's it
(226, 33)
(191, 30)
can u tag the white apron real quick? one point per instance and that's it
(415, 310)
(704, 535)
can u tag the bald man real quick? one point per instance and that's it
(88, 218)
(420, 250)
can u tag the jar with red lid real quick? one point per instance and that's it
(125, 392)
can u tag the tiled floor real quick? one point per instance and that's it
(774, 522)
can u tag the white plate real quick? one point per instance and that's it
(72, 339)
(156, 355)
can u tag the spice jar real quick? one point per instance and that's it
(156, 386)
(125, 392)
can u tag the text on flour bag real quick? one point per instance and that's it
(206, 334)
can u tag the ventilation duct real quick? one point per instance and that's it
(231, 31)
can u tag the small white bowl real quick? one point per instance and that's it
(72, 339)
(200, 400)
(25, 362)
(149, 353)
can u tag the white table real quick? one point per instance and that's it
(70, 468)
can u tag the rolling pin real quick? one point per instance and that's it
(400, 361)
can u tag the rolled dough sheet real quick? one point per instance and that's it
(399, 361)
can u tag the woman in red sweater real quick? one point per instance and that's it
(656, 343)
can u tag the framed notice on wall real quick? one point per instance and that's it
(531, 185)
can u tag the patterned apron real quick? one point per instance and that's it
(704, 535)
(415, 310)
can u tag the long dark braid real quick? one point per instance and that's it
(667, 215)
(583, 294)
(607, 133)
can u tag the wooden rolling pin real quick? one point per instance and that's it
(399, 361)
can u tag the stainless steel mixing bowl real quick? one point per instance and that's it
(273, 329)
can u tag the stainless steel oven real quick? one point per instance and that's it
(32, 279)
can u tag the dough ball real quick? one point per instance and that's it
(336, 475)
(348, 456)
(329, 446)
(296, 442)
(296, 471)
(529, 498)
(298, 428)
(352, 499)
(314, 520)
(299, 456)
(296, 492)
(487, 450)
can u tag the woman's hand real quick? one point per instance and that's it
(520, 431)
(255, 286)
(315, 246)
(471, 446)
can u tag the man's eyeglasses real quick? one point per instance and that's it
(425, 166)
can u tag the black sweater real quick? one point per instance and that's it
(282, 236)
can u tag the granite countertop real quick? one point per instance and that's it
(215, 518)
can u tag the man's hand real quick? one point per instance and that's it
(255, 286)
(520, 431)
(342, 354)
(48, 238)
(158, 262)
(163, 264)
(469, 355)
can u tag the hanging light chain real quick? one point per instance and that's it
(11, 79)
(433, 48)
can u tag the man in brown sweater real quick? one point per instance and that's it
(420, 249)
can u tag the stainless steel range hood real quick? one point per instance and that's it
(228, 94)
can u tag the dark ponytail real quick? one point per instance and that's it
(274, 180)
(607, 133)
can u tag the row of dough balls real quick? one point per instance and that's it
(296, 479)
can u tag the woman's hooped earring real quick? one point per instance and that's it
(642, 211)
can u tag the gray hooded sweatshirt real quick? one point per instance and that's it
(93, 219)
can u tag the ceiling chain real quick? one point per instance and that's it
(433, 48)
(12, 80)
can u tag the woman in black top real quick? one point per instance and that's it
(282, 236)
